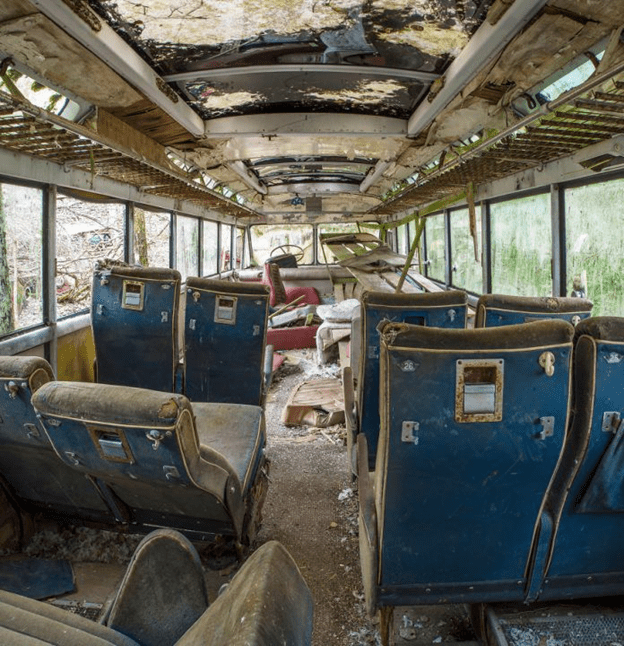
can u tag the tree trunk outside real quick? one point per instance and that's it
(140, 237)
(6, 300)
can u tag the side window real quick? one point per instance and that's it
(466, 270)
(522, 246)
(85, 233)
(209, 252)
(152, 234)
(594, 234)
(401, 233)
(225, 262)
(21, 303)
(240, 247)
(266, 239)
(187, 246)
(434, 228)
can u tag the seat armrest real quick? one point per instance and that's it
(350, 418)
(369, 547)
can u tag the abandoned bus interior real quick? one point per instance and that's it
(395, 230)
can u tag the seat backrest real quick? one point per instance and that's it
(439, 309)
(38, 479)
(501, 309)
(267, 603)
(271, 277)
(586, 500)
(141, 447)
(225, 340)
(472, 425)
(134, 315)
(27, 622)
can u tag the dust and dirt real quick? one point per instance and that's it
(312, 509)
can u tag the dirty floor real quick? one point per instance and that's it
(312, 509)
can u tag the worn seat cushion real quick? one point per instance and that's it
(522, 335)
(607, 328)
(117, 268)
(449, 298)
(111, 404)
(225, 286)
(26, 622)
(35, 370)
(235, 431)
(537, 305)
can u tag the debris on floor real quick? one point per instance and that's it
(315, 403)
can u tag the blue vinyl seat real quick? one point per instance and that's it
(472, 425)
(583, 519)
(225, 327)
(436, 309)
(159, 461)
(501, 309)
(36, 477)
(134, 316)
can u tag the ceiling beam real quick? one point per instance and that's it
(248, 177)
(264, 70)
(109, 47)
(306, 124)
(314, 188)
(486, 43)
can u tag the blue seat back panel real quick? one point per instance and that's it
(460, 500)
(140, 448)
(225, 338)
(588, 541)
(495, 317)
(154, 484)
(494, 310)
(135, 347)
(36, 475)
(449, 316)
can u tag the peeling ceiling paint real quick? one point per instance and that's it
(431, 39)
(213, 99)
(365, 92)
(331, 30)
(212, 22)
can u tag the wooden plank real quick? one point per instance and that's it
(369, 281)
(344, 354)
(113, 128)
(393, 278)
(427, 284)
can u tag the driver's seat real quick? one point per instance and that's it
(283, 295)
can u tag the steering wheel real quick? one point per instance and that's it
(287, 249)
